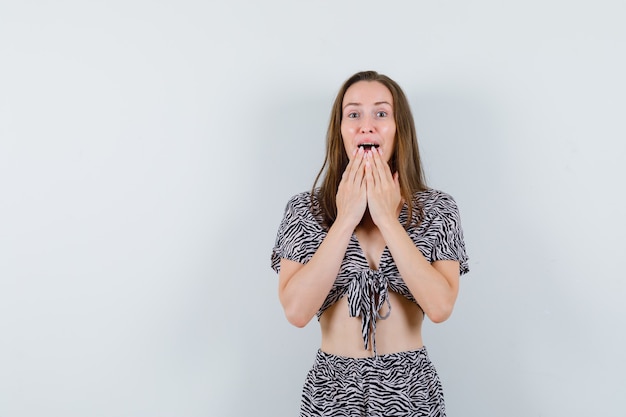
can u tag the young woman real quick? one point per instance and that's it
(370, 252)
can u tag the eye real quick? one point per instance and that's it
(381, 113)
(352, 115)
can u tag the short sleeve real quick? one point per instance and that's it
(298, 235)
(449, 243)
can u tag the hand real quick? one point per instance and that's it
(383, 188)
(352, 194)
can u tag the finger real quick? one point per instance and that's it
(357, 164)
(396, 181)
(381, 168)
(374, 165)
(386, 166)
(349, 165)
(369, 176)
(348, 173)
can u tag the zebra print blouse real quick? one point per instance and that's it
(439, 236)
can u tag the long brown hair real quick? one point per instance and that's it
(405, 158)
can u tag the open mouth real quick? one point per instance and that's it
(368, 146)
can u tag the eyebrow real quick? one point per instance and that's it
(378, 103)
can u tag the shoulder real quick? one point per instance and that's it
(299, 217)
(303, 201)
(305, 206)
(435, 202)
(432, 195)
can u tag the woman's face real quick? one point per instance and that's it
(368, 118)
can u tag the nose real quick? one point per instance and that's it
(367, 125)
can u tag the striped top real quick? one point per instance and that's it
(439, 236)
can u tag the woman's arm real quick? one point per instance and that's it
(435, 286)
(302, 288)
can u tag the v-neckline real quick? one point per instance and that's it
(375, 266)
(385, 249)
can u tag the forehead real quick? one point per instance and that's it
(367, 92)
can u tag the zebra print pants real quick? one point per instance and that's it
(403, 384)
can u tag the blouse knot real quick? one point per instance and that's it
(367, 294)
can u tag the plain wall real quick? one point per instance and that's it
(148, 149)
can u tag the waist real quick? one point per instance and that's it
(401, 331)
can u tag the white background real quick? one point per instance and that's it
(148, 148)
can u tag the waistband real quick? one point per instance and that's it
(386, 360)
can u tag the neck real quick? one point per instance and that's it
(366, 222)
